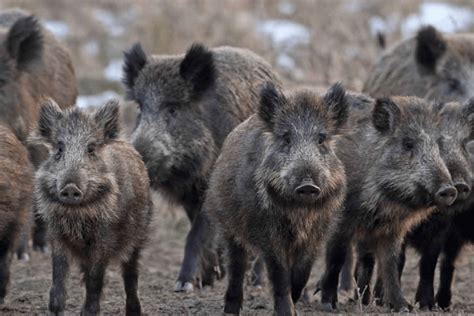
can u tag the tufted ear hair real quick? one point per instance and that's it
(468, 113)
(336, 100)
(50, 113)
(386, 115)
(134, 61)
(430, 46)
(198, 68)
(24, 42)
(271, 100)
(108, 119)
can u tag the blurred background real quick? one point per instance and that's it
(313, 42)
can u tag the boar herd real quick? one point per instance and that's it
(263, 173)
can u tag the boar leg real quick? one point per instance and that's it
(198, 237)
(347, 276)
(388, 254)
(5, 258)
(451, 250)
(234, 295)
(94, 280)
(58, 294)
(364, 271)
(299, 275)
(336, 252)
(39, 234)
(130, 282)
(280, 277)
(425, 291)
(22, 251)
(378, 289)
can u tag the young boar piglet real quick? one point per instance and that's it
(396, 178)
(16, 188)
(93, 194)
(275, 188)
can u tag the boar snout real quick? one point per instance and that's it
(463, 190)
(307, 189)
(446, 195)
(70, 194)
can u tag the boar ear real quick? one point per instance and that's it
(25, 42)
(198, 68)
(430, 46)
(385, 115)
(108, 118)
(134, 61)
(468, 113)
(338, 104)
(270, 101)
(49, 114)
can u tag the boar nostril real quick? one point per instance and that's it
(463, 190)
(446, 196)
(70, 193)
(308, 189)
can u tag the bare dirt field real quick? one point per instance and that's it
(28, 294)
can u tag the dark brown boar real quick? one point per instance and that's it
(188, 104)
(275, 188)
(16, 190)
(93, 193)
(430, 65)
(396, 178)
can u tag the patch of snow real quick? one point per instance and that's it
(286, 8)
(113, 71)
(378, 24)
(110, 22)
(284, 32)
(59, 28)
(91, 48)
(444, 16)
(285, 61)
(86, 101)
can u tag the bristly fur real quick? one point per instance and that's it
(336, 99)
(430, 47)
(386, 115)
(198, 68)
(134, 61)
(108, 118)
(25, 41)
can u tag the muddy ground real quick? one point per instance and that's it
(28, 294)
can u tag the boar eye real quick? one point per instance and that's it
(91, 148)
(172, 111)
(454, 84)
(59, 151)
(287, 138)
(408, 144)
(322, 138)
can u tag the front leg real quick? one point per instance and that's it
(364, 270)
(425, 290)
(280, 277)
(94, 280)
(201, 235)
(58, 293)
(300, 273)
(235, 292)
(388, 253)
(130, 282)
(336, 252)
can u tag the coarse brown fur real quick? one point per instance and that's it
(110, 221)
(16, 188)
(253, 197)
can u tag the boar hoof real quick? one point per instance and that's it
(41, 248)
(187, 287)
(24, 256)
(327, 307)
